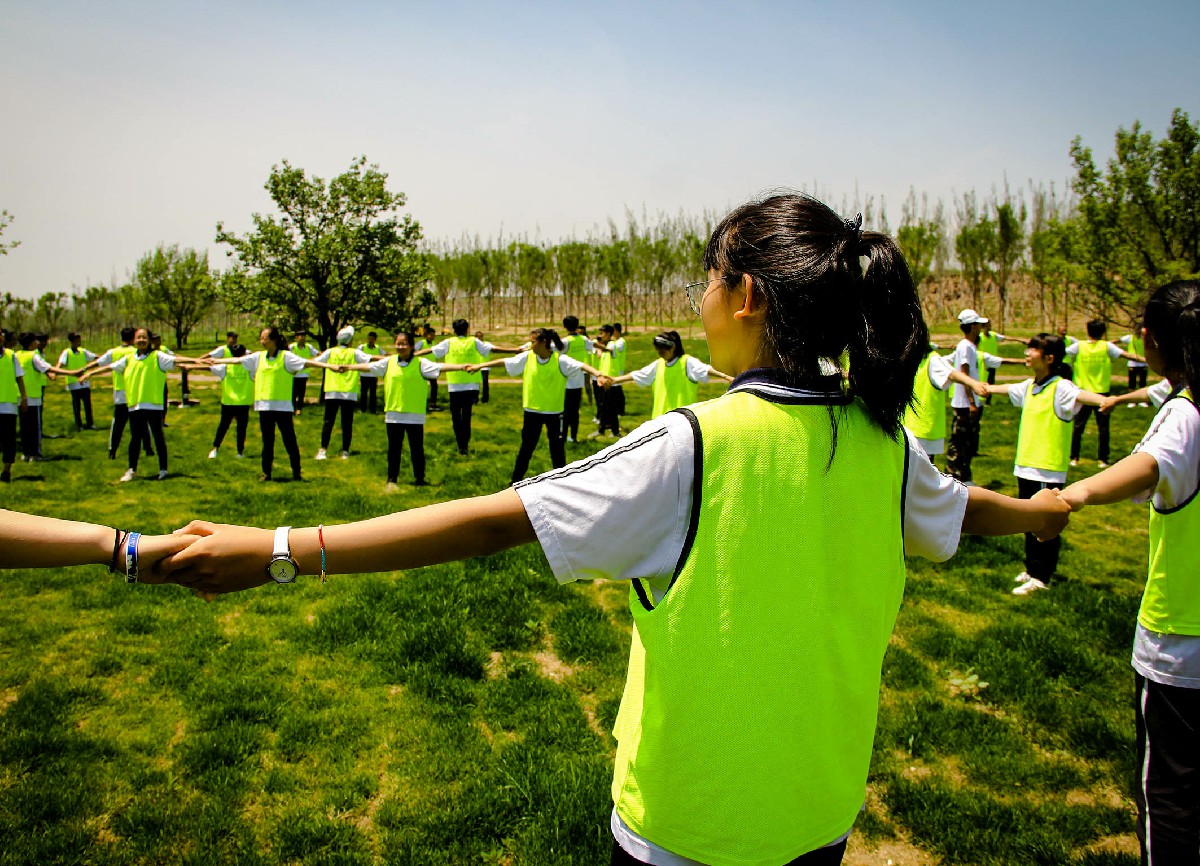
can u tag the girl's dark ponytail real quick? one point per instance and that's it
(550, 336)
(1053, 344)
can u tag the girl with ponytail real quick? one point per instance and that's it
(765, 564)
(1165, 469)
(1049, 403)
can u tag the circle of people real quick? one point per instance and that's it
(554, 372)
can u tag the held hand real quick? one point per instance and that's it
(1055, 512)
(1073, 496)
(980, 388)
(153, 548)
(341, 368)
(470, 368)
(604, 382)
(51, 376)
(226, 558)
(1109, 404)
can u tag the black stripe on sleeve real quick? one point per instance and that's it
(697, 487)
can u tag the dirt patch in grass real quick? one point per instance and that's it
(7, 697)
(552, 667)
(1126, 844)
(893, 852)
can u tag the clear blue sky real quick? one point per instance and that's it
(126, 124)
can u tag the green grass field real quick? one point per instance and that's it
(461, 713)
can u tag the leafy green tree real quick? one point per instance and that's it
(1009, 247)
(51, 310)
(337, 253)
(576, 263)
(1140, 217)
(173, 288)
(15, 313)
(975, 246)
(921, 237)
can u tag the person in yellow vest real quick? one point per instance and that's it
(237, 396)
(120, 402)
(989, 344)
(37, 373)
(341, 390)
(484, 390)
(1136, 370)
(675, 377)
(272, 370)
(426, 342)
(577, 346)
(462, 350)
(301, 347)
(610, 402)
(545, 370)
(145, 378)
(367, 397)
(1092, 361)
(12, 403)
(925, 418)
(749, 742)
(1165, 469)
(1048, 403)
(75, 357)
(405, 402)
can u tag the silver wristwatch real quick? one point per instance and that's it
(282, 567)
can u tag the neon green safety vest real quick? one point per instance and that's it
(462, 350)
(745, 729)
(575, 346)
(35, 382)
(144, 381)
(1137, 345)
(272, 381)
(988, 343)
(9, 392)
(75, 361)
(1093, 367)
(543, 386)
(118, 376)
(342, 383)
(926, 417)
(672, 387)
(237, 388)
(1044, 439)
(612, 363)
(1171, 602)
(404, 388)
(374, 352)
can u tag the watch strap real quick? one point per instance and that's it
(282, 549)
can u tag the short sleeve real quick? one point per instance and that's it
(106, 359)
(1073, 348)
(934, 507)
(991, 362)
(939, 371)
(323, 357)
(515, 365)
(250, 362)
(166, 362)
(439, 351)
(292, 362)
(1066, 399)
(569, 365)
(18, 370)
(483, 348)
(1174, 442)
(1115, 351)
(645, 376)
(429, 369)
(697, 370)
(119, 366)
(1159, 393)
(621, 513)
(1017, 392)
(379, 366)
(62, 359)
(39, 363)
(361, 357)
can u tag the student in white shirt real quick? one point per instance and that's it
(73, 358)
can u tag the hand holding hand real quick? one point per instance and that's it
(1109, 404)
(1073, 496)
(152, 549)
(471, 368)
(980, 388)
(224, 558)
(1055, 512)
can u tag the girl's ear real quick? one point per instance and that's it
(752, 302)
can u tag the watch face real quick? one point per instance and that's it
(282, 570)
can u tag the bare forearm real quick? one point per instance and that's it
(29, 541)
(1128, 477)
(990, 513)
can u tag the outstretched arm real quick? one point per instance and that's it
(30, 541)
(231, 558)
(712, 371)
(1141, 395)
(475, 368)
(990, 513)
(1126, 478)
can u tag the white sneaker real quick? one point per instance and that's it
(595, 435)
(571, 439)
(1144, 405)
(241, 456)
(1103, 464)
(320, 454)
(162, 474)
(1075, 462)
(1133, 405)
(391, 487)
(1022, 577)
(129, 475)
(212, 455)
(1031, 585)
(345, 455)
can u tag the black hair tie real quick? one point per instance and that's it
(854, 226)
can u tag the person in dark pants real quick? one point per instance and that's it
(544, 371)
(300, 383)
(341, 390)
(1092, 359)
(237, 396)
(12, 403)
(120, 405)
(76, 358)
(367, 401)
(484, 393)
